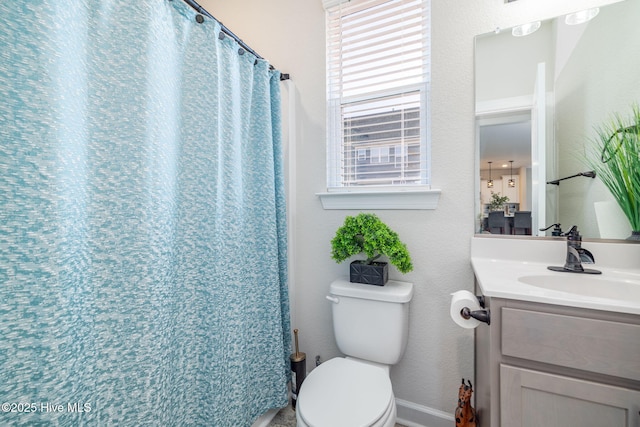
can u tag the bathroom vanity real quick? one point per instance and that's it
(562, 349)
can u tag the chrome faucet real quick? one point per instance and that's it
(576, 255)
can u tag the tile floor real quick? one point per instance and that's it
(287, 418)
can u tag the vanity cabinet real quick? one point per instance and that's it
(554, 366)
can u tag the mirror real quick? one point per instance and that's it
(538, 100)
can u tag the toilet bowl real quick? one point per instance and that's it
(345, 392)
(370, 324)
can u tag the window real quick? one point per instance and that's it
(377, 92)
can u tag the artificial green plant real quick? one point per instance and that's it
(615, 156)
(366, 233)
(497, 201)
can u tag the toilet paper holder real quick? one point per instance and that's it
(483, 315)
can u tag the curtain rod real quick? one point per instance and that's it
(228, 32)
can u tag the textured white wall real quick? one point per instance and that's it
(290, 33)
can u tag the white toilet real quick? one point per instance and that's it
(371, 325)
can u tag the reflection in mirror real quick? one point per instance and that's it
(539, 99)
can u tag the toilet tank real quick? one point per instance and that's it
(371, 322)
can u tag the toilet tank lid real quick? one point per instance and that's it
(392, 291)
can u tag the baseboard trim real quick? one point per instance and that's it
(409, 414)
(413, 415)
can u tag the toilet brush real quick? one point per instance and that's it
(298, 371)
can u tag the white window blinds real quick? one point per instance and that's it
(377, 90)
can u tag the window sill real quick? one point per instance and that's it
(385, 199)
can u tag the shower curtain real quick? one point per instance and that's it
(142, 219)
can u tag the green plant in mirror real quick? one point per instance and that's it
(615, 156)
(366, 233)
(497, 201)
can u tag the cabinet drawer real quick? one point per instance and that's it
(600, 346)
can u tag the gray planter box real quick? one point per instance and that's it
(376, 273)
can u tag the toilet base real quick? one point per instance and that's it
(387, 420)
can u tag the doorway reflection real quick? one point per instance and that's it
(505, 144)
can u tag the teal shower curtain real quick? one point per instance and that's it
(142, 219)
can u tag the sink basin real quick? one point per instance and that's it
(589, 286)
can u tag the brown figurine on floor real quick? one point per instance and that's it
(465, 414)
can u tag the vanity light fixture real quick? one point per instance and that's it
(512, 183)
(525, 29)
(582, 16)
(490, 182)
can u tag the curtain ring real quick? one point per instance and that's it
(221, 36)
(241, 51)
(199, 19)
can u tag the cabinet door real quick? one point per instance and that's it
(531, 398)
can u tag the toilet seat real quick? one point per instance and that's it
(349, 393)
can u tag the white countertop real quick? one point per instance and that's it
(498, 263)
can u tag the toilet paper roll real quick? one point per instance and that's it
(460, 300)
